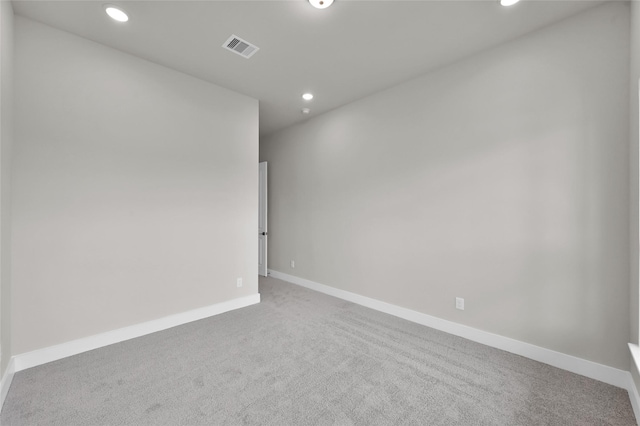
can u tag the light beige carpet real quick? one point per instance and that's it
(304, 358)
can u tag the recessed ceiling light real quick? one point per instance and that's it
(321, 4)
(305, 110)
(116, 14)
(307, 96)
(508, 2)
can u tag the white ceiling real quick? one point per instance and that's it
(341, 54)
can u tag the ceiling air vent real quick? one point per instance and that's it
(240, 46)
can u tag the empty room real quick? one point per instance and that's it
(319, 212)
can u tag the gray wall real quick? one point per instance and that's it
(6, 138)
(502, 179)
(134, 192)
(633, 179)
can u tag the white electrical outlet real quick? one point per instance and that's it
(293, 264)
(460, 303)
(239, 282)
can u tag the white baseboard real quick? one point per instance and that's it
(634, 396)
(5, 383)
(593, 370)
(54, 353)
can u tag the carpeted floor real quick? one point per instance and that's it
(304, 358)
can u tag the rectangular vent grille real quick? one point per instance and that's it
(240, 46)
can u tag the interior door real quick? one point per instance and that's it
(262, 220)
